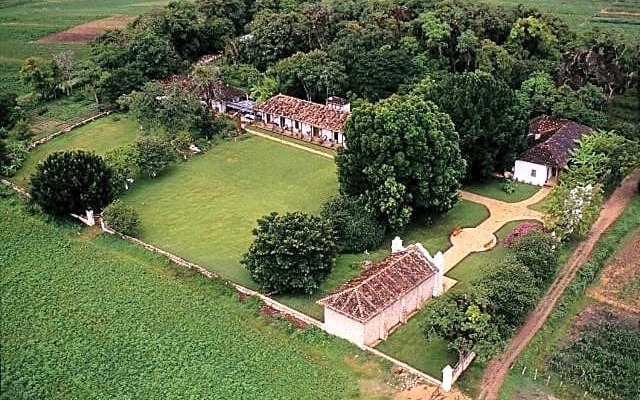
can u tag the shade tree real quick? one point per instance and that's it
(403, 156)
(291, 253)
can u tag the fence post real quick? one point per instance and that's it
(447, 378)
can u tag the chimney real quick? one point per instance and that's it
(396, 245)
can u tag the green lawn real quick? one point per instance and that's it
(22, 22)
(204, 210)
(100, 136)
(493, 189)
(94, 317)
(434, 237)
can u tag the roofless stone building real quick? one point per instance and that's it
(365, 309)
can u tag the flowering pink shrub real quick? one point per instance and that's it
(521, 230)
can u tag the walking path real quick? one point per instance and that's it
(498, 368)
(482, 237)
(288, 143)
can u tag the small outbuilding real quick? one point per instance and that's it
(365, 309)
(553, 139)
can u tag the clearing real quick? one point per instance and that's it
(205, 209)
(86, 316)
(84, 33)
(100, 136)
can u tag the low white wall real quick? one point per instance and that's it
(523, 171)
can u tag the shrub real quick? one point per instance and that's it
(539, 253)
(71, 182)
(154, 154)
(121, 217)
(291, 253)
(355, 228)
(508, 292)
(509, 186)
(521, 230)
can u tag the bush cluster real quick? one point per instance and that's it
(121, 217)
(356, 230)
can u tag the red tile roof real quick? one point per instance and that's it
(554, 151)
(305, 111)
(377, 288)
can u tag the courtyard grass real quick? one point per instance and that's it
(493, 188)
(205, 209)
(89, 316)
(100, 136)
(434, 236)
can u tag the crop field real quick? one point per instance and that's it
(24, 22)
(204, 210)
(100, 136)
(94, 317)
(623, 15)
(593, 332)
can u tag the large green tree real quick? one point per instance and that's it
(154, 154)
(402, 156)
(291, 253)
(511, 291)
(488, 117)
(463, 321)
(71, 182)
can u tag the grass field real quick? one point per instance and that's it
(585, 15)
(93, 317)
(205, 209)
(493, 189)
(22, 22)
(100, 136)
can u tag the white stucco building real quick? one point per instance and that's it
(305, 117)
(553, 139)
(366, 308)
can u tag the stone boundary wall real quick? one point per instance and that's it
(47, 138)
(266, 300)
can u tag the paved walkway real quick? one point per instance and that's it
(482, 237)
(288, 143)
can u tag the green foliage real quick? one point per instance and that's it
(583, 105)
(170, 109)
(313, 72)
(604, 157)
(40, 76)
(71, 182)
(603, 361)
(7, 109)
(489, 119)
(154, 155)
(539, 253)
(509, 186)
(510, 291)
(291, 253)
(355, 228)
(121, 161)
(402, 156)
(463, 321)
(537, 94)
(12, 156)
(531, 37)
(571, 210)
(122, 217)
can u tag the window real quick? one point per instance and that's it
(268, 118)
(296, 124)
(533, 173)
(281, 121)
(335, 136)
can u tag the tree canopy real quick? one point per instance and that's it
(403, 156)
(71, 182)
(291, 253)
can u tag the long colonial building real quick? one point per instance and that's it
(323, 121)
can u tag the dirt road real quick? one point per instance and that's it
(498, 368)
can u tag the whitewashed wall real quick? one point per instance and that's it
(522, 173)
(344, 327)
(379, 326)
